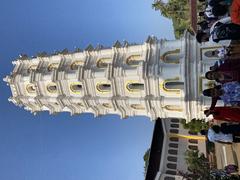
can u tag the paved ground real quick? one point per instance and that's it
(227, 154)
(236, 149)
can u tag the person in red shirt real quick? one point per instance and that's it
(224, 113)
(235, 12)
(226, 72)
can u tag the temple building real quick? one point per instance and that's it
(170, 141)
(159, 78)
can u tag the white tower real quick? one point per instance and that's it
(159, 78)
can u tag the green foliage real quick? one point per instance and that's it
(198, 164)
(195, 125)
(178, 12)
(146, 160)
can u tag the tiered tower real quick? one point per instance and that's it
(159, 78)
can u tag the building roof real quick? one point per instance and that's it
(155, 151)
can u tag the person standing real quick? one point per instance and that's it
(225, 133)
(231, 114)
(229, 93)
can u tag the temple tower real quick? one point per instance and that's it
(159, 78)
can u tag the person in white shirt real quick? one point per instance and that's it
(219, 137)
(213, 35)
(223, 134)
(222, 31)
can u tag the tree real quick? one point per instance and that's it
(178, 12)
(198, 164)
(195, 125)
(146, 160)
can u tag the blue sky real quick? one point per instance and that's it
(62, 147)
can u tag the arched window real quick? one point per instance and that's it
(171, 56)
(173, 108)
(52, 88)
(193, 147)
(170, 173)
(173, 145)
(135, 87)
(171, 166)
(137, 106)
(175, 120)
(174, 125)
(193, 141)
(174, 139)
(134, 60)
(104, 87)
(76, 87)
(192, 133)
(107, 105)
(174, 85)
(168, 177)
(31, 88)
(175, 131)
(76, 64)
(53, 66)
(172, 158)
(172, 151)
(103, 62)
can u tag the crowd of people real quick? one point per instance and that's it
(220, 23)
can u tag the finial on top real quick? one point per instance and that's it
(117, 44)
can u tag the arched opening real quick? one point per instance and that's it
(53, 66)
(174, 131)
(175, 120)
(76, 64)
(104, 87)
(171, 166)
(192, 133)
(52, 88)
(192, 147)
(31, 88)
(174, 125)
(172, 151)
(171, 56)
(170, 173)
(134, 60)
(174, 85)
(103, 62)
(174, 108)
(174, 139)
(137, 106)
(193, 141)
(172, 158)
(135, 87)
(76, 87)
(173, 145)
